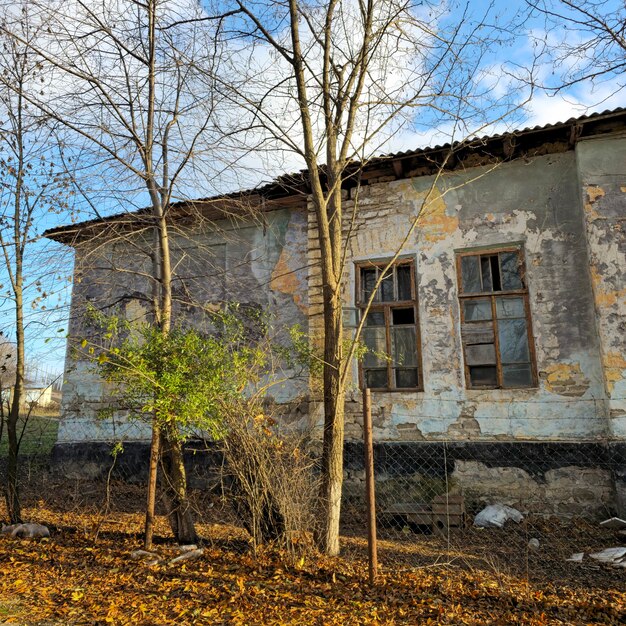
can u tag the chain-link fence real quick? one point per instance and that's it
(534, 510)
(547, 500)
(37, 429)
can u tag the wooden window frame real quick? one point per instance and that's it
(386, 308)
(492, 295)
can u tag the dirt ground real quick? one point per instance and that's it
(84, 574)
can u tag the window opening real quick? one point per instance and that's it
(495, 320)
(391, 331)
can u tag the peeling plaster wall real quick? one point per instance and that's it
(534, 202)
(602, 172)
(255, 264)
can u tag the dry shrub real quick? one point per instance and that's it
(271, 477)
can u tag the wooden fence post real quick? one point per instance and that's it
(369, 482)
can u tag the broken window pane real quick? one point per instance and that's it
(403, 316)
(495, 273)
(403, 273)
(404, 350)
(406, 378)
(510, 307)
(513, 339)
(517, 375)
(368, 280)
(470, 274)
(485, 270)
(375, 340)
(483, 376)
(376, 379)
(390, 330)
(511, 274)
(501, 360)
(476, 310)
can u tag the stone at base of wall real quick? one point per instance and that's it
(583, 478)
(94, 461)
(550, 478)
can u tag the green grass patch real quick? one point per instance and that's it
(40, 435)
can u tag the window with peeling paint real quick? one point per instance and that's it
(495, 320)
(391, 331)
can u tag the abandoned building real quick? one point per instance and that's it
(504, 317)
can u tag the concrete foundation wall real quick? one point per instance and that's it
(543, 478)
(560, 479)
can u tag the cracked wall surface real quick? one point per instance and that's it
(602, 167)
(565, 209)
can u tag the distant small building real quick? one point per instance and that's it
(38, 394)
(35, 394)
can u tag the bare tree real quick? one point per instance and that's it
(340, 79)
(585, 41)
(133, 83)
(31, 187)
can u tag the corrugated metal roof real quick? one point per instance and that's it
(513, 133)
(290, 177)
(288, 182)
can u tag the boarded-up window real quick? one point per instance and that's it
(391, 331)
(495, 320)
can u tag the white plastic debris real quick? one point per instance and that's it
(577, 557)
(613, 523)
(187, 548)
(610, 555)
(138, 555)
(187, 556)
(496, 515)
(533, 544)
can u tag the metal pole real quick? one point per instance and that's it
(369, 481)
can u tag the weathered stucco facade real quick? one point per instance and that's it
(255, 261)
(556, 195)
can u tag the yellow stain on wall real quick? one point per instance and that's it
(433, 222)
(614, 369)
(593, 193)
(560, 376)
(603, 297)
(285, 280)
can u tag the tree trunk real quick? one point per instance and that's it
(19, 238)
(152, 484)
(12, 498)
(179, 511)
(332, 452)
